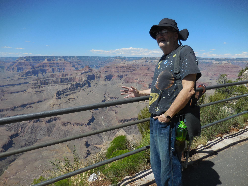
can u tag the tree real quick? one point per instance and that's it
(241, 73)
(222, 110)
(226, 91)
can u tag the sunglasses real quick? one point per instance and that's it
(163, 32)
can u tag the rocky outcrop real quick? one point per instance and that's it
(26, 105)
(73, 87)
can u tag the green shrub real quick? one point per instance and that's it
(222, 110)
(65, 182)
(119, 143)
(145, 142)
(241, 72)
(39, 180)
(245, 117)
(144, 127)
(61, 167)
(117, 170)
(217, 112)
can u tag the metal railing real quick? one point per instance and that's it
(26, 117)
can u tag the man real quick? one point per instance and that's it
(166, 100)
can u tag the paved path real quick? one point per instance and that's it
(229, 167)
(223, 161)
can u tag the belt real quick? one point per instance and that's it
(180, 117)
(154, 115)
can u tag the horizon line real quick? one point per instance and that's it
(118, 56)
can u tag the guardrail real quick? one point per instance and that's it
(26, 117)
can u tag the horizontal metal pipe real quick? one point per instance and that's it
(223, 100)
(25, 149)
(227, 118)
(44, 114)
(223, 85)
(70, 174)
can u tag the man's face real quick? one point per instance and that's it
(166, 38)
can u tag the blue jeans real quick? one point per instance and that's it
(165, 161)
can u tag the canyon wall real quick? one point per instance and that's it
(31, 85)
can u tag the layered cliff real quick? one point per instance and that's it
(30, 87)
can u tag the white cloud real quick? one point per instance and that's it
(224, 43)
(130, 52)
(242, 55)
(4, 54)
(19, 48)
(8, 54)
(47, 45)
(6, 47)
(211, 55)
(158, 53)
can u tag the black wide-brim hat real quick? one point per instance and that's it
(166, 22)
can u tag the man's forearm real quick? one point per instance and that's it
(145, 92)
(180, 102)
(184, 95)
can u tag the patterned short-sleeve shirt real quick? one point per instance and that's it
(164, 89)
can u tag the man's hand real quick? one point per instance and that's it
(162, 118)
(131, 91)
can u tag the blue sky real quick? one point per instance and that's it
(217, 28)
